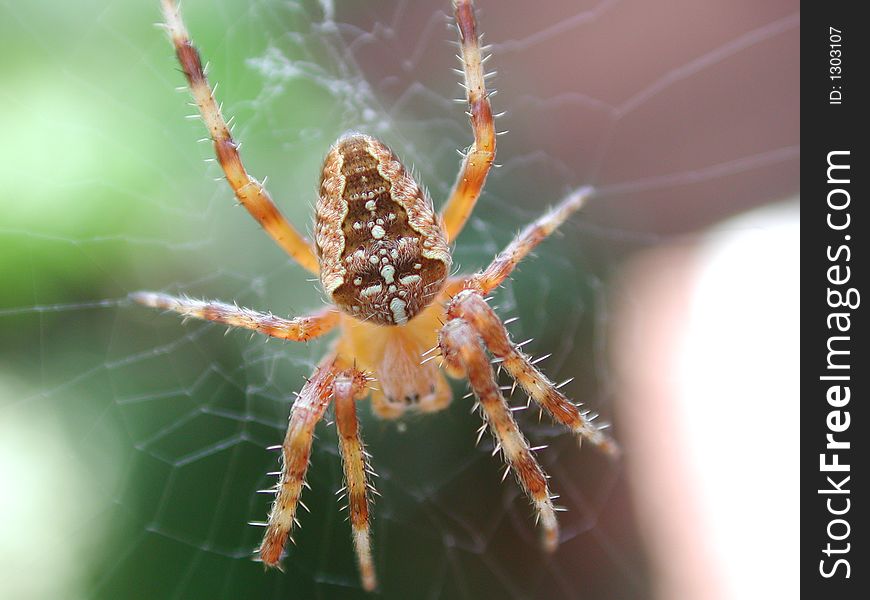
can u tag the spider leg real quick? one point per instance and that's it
(349, 386)
(307, 410)
(463, 353)
(250, 192)
(469, 306)
(478, 161)
(526, 241)
(300, 329)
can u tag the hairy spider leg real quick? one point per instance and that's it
(250, 192)
(478, 161)
(307, 410)
(463, 354)
(349, 386)
(473, 309)
(536, 232)
(299, 329)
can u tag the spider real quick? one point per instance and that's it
(383, 257)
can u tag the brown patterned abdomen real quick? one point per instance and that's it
(383, 255)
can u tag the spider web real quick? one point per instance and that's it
(137, 443)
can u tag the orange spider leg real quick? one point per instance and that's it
(452, 286)
(472, 308)
(307, 410)
(349, 386)
(464, 354)
(248, 190)
(478, 161)
(507, 260)
(300, 329)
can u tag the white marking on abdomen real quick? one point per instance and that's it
(397, 307)
(387, 272)
(371, 290)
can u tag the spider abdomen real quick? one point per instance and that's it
(383, 255)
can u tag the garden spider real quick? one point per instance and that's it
(383, 258)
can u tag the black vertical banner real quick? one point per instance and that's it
(834, 226)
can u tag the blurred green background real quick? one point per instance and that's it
(131, 445)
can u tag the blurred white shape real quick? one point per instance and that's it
(737, 389)
(49, 502)
(706, 340)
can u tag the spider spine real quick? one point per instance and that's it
(564, 383)
(541, 359)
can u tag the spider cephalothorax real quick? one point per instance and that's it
(382, 255)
